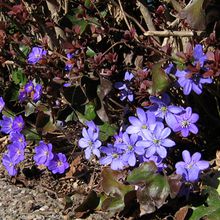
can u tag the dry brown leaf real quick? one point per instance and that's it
(73, 166)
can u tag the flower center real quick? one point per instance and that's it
(115, 155)
(185, 124)
(90, 143)
(46, 153)
(190, 165)
(59, 163)
(20, 124)
(144, 126)
(130, 147)
(163, 109)
(156, 141)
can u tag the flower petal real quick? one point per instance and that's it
(186, 156)
(168, 143)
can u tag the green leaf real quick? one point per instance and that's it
(8, 113)
(142, 173)
(19, 77)
(76, 21)
(90, 113)
(71, 117)
(87, 3)
(113, 204)
(90, 52)
(160, 80)
(24, 49)
(115, 190)
(31, 134)
(212, 211)
(154, 188)
(107, 130)
(11, 93)
(111, 186)
(154, 194)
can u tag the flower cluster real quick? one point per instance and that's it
(176, 117)
(125, 87)
(191, 167)
(36, 55)
(30, 90)
(55, 162)
(192, 79)
(9, 125)
(15, 150)
(147, 138)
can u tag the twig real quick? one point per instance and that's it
(168, 33)
(125, 18)
(115, 44)
(147, 18)
(130, 17)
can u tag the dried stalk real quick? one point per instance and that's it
(168, 33)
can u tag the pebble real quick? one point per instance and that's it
(18, 203)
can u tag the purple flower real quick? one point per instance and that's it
(198, 54)
(163, 110)
(37, 93)
(36, 55)
(90, 142)
(6, 124)
(142, 122)
(185, 122)
(16, 151)
(91, 125)
(125, 87)
(156, 141)
(128, 76)
(30, 91)
(58, 164)
(43, 154)
(2, 104)
(9, 164)
(189, 81)
(22, 95)
(130, 148)
(169, 68)
(18, 124)
(18, 137)
(69, 63)
(113, 157)
(191, 167)
(118, 137)
(29, 87)
(125, 91)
